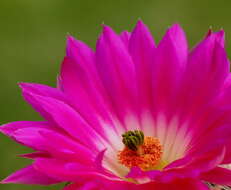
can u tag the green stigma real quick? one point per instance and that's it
(133, 139)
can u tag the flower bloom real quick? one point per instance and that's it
(131, 115)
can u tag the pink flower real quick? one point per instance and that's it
(131, 115)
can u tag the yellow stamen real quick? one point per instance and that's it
(146, 157)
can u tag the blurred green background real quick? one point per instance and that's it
(32, 44)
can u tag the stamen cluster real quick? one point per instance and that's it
(140, 151)
(133, 139)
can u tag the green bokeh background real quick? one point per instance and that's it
(32, 44)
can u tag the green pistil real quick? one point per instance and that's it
(133, 139)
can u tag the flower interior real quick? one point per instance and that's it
(140, 151)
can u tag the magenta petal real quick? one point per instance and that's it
(170, 63)
(142, 51)
(42, 90)
(217, 137)
(218, 175)
(84, 95)
(30, 137)
(81, 54)
(78, 76)
(225, 94)
(74, 186)
(207, 70)
(68, 119)
(193, 167)
(29, 175)
(207, 160)
(9, 128)
(189, 184)
(141, 176)
(70, 171)
(41, 138)
(54, 144)
(125, 36)
(99, 159)
(39, 89)
(80, 80)
(113, 60)
(89, 185)
(64, 147)
(220, 37)
(186, 184)
(35, 155)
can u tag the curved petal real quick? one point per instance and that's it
(80, 79)
(168, 69)
(83, 186)
(219, 136)
(206, 72)
(142, 49)
(40, 90)
(189, 184)
(53, 143)
(9, 128)
(116, 72)
(85, 96)
(218, 175)
(30, 137)
(64, 147)
(70, 171)
(29, 175)
(69, 120)
(35, 155)
(192, 167)
(202, 161)
(170, 62)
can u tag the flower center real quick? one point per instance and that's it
(140, 151)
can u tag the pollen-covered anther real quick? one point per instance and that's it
(145, 155)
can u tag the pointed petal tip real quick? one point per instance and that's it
(23, 85)
(106, 29)
(6, 180)
(176, 24)
(140, 26)
(221, 33)
(70, 38)
(109, 36)
(175, 27)
(210, 31)
(221, 37)
(175, 31)
(217, 37)
(4, 129)
(139, 22)
(3, 181)
(70, 41)
(176, 34)
(27, 85)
